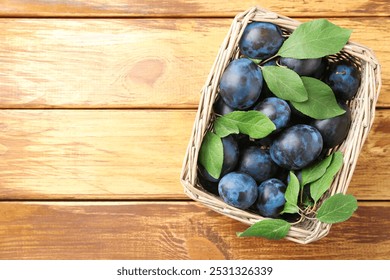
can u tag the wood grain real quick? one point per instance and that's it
(93, 153)
(129, 63)
(128, 154)
(182, 8)
(166, 230)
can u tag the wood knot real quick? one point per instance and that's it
(200, 248)
(147, 71)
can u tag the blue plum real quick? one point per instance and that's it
(271, 199)
(230, 154)
(276, 109)
(296, 147)
(242, 140)
(334, 130)
(303, 67)
(209, 183)
(257, 162)
(221, 108)
(344, 79)
(238, 189)
(205, 176)
(241, 83)
(261, 40)
(265, 142)
(321, 70)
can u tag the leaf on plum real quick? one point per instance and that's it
(284, 83)
(315, 39)
(211, 154)
(321, 102)
(252, 123)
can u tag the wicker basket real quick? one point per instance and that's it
(362, 108)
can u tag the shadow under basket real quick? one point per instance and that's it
(362, 108)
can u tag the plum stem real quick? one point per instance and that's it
(268, 59)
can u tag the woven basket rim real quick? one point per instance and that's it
(362, 108)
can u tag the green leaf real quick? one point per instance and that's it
(255, 124)
(315, 171)
(255, 60)
(284, 83)
(252, 123)
(291, 195)
(321, 102)
(211, 154)
(337, 208)
(315, 39)
(320, 186)
(224, 126)
(290, 208)
(269, 228)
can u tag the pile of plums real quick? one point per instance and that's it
(255, 171)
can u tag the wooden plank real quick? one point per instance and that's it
(128, 63)
(184, 8)
(128, 154)
(106, 63)
(166, 230)
(370, 174)
(79, 154)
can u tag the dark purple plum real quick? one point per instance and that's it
(334, 130)
(271, 199)
(205, 176)
(238, 189)
(344, 79)
(230, 154)
(241, 84)
(320, 73)
(209, 183)
(221, 108)
(257, 162)
(282, 175)
(276, 109)
(230, 159)
(296, 147)
(303, 67)
(265, 141)
(261, 40)
(243, 140)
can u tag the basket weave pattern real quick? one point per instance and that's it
(362, 109)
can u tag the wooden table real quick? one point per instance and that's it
(98, 100)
